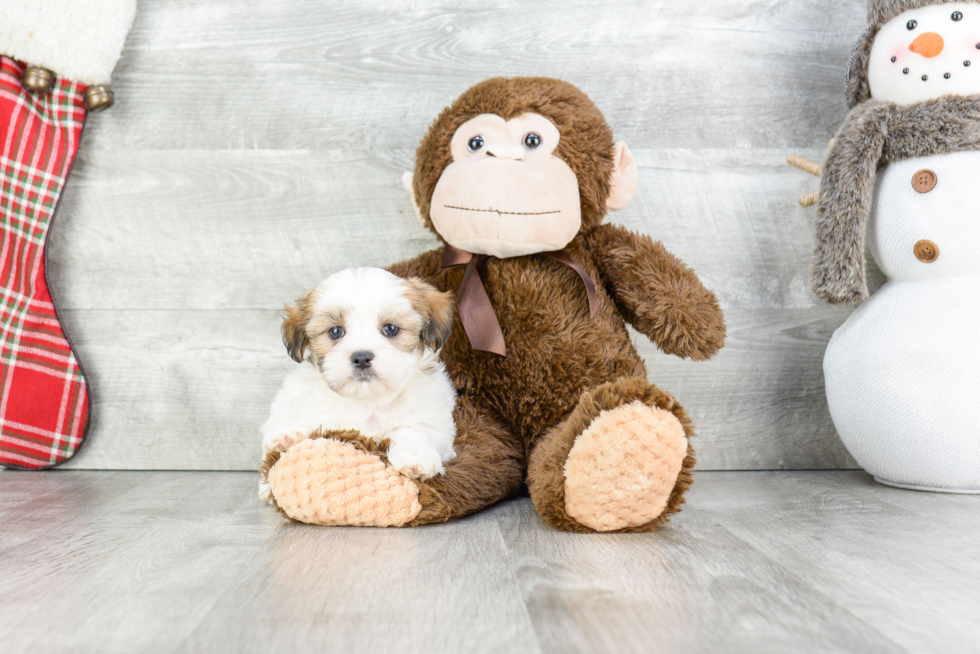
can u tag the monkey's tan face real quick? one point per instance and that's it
(505, 193)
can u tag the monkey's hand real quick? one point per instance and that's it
(657, 294)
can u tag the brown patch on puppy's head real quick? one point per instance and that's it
(295, 321)
(437, 310)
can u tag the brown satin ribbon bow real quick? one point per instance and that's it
(475, 310)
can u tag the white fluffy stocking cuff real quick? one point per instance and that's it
(77, 39)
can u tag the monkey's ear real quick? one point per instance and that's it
(625, 178)
(407, 180)
(294, 332)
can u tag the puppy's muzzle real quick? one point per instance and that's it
(362, 359)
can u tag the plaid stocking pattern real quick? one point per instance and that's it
(43, 396)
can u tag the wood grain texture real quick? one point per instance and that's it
(757, 562)
(257, 147)
(368, 73)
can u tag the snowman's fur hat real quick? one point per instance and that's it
(874, 134)
(879, 13)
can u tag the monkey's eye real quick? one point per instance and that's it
(912, 24)
(532, 140)
(957, 15)
(475, 143)
(390, 330)
(336, 333)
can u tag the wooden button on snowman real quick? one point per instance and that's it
(903, 372)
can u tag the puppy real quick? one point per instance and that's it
(367, 343)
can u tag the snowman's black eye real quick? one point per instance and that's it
(912, 24)
(532, 140)
(475, 143)
(905, 70)
(947, 75)
(925, 78)
(966, 63)
(957, 16)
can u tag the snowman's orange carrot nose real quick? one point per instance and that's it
(928, 45)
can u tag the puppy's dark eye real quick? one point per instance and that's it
(957, 15)
(912, 24)
(532, 141)
(336, 333)
(475, 143)
(390, 330)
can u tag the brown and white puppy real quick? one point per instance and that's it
(367, 343)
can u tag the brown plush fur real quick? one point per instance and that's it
(586, 142)
(562, 367)
(658, 294)
(879, 13)
(874, 134)
(488, 468)
(546, 478)
(557, 356)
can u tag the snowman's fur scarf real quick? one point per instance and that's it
(874, 134)
(879, 13)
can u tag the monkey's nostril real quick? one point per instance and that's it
(490, 154)
(362, 359)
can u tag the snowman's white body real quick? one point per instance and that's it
(903, 372)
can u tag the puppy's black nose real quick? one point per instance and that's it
(362, 359)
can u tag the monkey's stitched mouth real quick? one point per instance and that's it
(501, 213)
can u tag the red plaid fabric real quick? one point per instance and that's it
(43, 396)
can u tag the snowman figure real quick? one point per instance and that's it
(903, 372)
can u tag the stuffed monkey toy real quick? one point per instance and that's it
(515, 178)
(903, 372)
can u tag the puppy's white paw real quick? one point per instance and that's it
(416, 461)
(281, 442)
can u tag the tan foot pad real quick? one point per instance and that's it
(323, 481)
(623, 467)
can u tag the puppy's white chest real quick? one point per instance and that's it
(374, 425)
(374, 422)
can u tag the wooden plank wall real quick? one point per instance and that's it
(257, 146)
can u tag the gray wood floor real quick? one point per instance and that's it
(257, 146)
(757, 562)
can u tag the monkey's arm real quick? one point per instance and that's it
(846, 191)
(657, 293)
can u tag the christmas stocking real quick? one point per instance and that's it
(44, 401)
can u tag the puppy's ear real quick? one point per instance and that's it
(294, 329)
(437, 310)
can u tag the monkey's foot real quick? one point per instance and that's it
(620, 461)
(324, 481)
(622, 469)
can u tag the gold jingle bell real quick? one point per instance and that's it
(38, 80)
(99, 98)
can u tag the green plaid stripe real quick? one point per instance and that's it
(43, 396)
